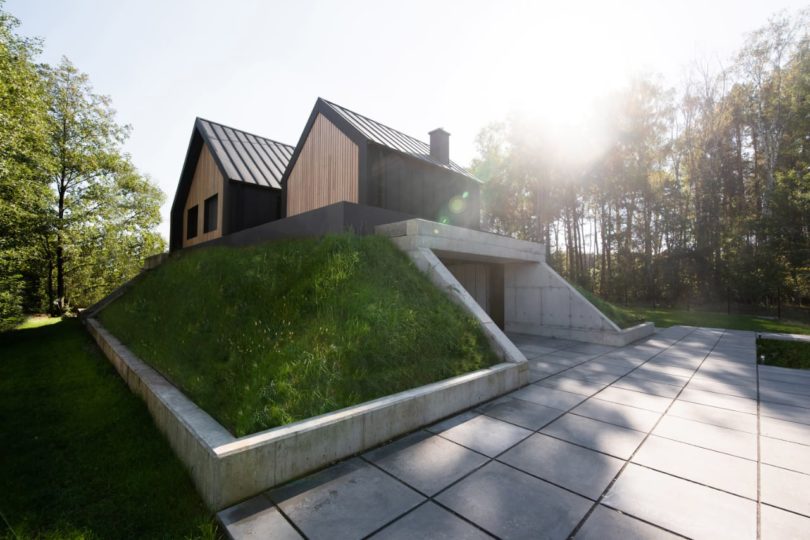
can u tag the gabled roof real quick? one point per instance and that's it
(391, 138)
(245, 157)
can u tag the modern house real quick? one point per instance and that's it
(349, 172)
(232, 180)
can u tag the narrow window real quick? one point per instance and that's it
(191, 223)
(210, 215)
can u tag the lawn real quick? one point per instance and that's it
(265, 335)
(623, 317)
(789, 354)
(80, 455)
(670, 317)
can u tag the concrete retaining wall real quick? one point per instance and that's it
(226, 469)
(537, 300)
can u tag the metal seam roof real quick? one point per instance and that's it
(247, 157)
(396, 140)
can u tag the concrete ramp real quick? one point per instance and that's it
(507, 283)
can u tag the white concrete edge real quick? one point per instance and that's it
(429, 231)
(226, 469)
(783, 337)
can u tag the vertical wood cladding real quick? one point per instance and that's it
(207, 181)
(326, 172)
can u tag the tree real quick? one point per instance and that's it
(104, 213)
(23, 193)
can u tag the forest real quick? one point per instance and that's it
(697, 195)
(693, 195)
(77, 218)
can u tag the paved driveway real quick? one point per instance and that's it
(679, 435)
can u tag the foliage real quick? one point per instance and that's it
(105, 211)
(697, 195)
(23, 118)
(76, 217)
(266, 335)
(81, 456)
(788, 354)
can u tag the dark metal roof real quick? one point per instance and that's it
(396, 140)
(245, 157)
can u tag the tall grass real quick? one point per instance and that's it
(265, 335)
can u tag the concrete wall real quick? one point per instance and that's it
(537, 300)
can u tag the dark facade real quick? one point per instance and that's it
(400, 173)
(246, 176)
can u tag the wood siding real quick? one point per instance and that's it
(207, 181)
(326, 172)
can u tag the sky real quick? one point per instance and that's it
(415, 65)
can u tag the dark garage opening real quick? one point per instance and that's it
(484, 282)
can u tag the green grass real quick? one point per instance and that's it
(671, 317)
(789, 354)
(623, 317)
(265, 335)
(37, 321)
(79, 454)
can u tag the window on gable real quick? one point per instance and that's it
(191, 222)
(210, 214)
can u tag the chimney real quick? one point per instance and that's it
(440, 145)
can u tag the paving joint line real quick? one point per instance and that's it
(644, 440)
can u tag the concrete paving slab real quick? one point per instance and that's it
(719, 400)
(452, 422)
(786, 489)
(658, 376)
(715, 416)
(256, 518)
(786, 431)
(729, 441)
(634, 399)
(787, 455)
(664, 368)
(573, 355)
(348, 500)
(560, 359)
(776, 373)
(775, 396)
(431, 521)
(646, 386)
(618, 414)
(511, 504)
(593, 367)
(800, 388)
(614, 440)
(486, 435)
(608, 524)
(721, 471)
(540, 369)
(526, 414)
(722, 387)
(426, 462)
(581, 470)
(575, 385)
(682, 506)
(549, 397)
(799, 415)
(778, 524)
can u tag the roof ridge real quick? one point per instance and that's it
(402, 133)
(376, 122)
(245, 132)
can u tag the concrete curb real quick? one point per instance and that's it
(226, 469)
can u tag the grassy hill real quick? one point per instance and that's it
(265, 335)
